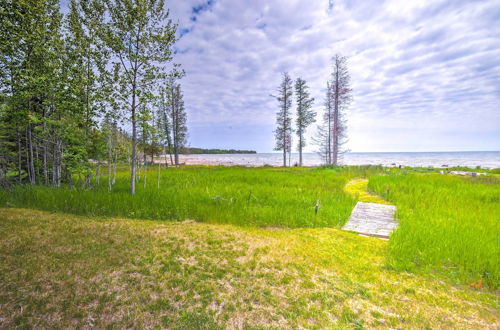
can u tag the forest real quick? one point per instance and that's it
(96, 85)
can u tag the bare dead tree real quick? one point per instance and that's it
(333, 133)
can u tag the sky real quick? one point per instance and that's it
(425, 74)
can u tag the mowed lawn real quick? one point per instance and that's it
(59, 270)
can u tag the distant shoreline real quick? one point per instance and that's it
(202, 151)
(443, 160)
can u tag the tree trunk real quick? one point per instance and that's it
(31, 162)
(134, 140)
(19, 158)
(114, 173)
(176, 157)
(109, 174)
(59, 164)
(170, 153)
(54, 163)
(98, 172)
(336, 121)
(300, 149)
(45, 169)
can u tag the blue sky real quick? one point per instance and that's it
(425, 74)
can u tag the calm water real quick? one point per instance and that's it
(486, 159)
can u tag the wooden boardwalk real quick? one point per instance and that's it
(372, 219)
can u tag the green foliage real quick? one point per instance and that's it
(283, 132)
(140, 36)
(448, 224)
(495, 171)
(237, 195)
(305, 116)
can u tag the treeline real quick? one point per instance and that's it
(331, 134)
(70, 83)
(216, 151)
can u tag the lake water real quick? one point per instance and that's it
(485, 159)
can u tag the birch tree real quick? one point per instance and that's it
(283, 132)
(305, 116)
(141, 36)
(90, 57)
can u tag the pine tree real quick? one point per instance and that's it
(332, 133)
(305, 116)
(341, 97)
(173, 122)
(164, 122)
(283, 132)
(179, 121)
(31, 72)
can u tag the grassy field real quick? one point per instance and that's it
(66, 271)
(254, 252)
(448, 224)
(234, 195)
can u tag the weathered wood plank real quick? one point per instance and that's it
(372, 219)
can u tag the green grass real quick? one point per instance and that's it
(359, 189)
(237, 195)
(66, 271)
(448, 224)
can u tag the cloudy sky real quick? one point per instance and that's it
(425, 74)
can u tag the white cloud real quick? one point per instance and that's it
(432, 68)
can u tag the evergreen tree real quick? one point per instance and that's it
(323, 136)
(283, 132)
(172, 114)
(341, 98)
(332, 134)
(32, 78)
(164, 122)
(305, 116)
(179, 121)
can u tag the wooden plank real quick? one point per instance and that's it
(372, 219)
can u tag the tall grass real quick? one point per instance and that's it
(447, 223)
(237, 195)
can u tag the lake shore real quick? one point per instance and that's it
(438, 160)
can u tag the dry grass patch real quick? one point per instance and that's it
(68, 271)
